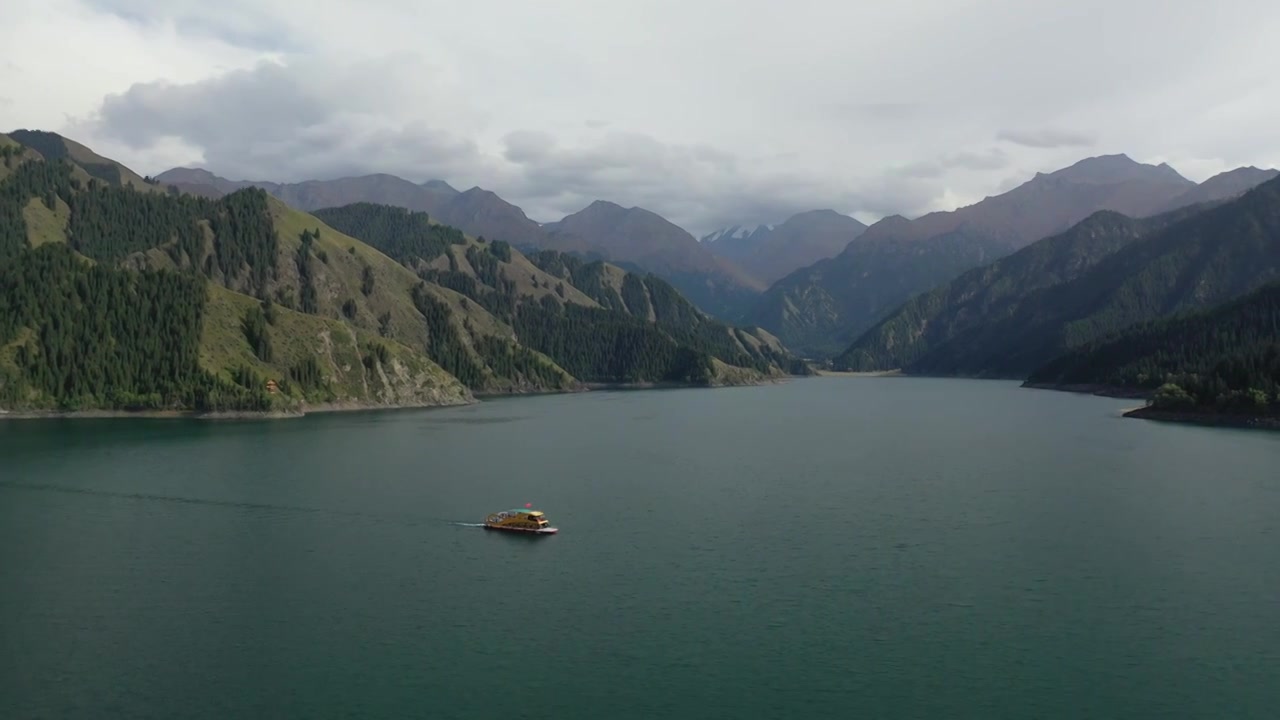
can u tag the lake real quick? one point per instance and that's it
(854, 547)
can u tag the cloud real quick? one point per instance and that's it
(721, 111)
(990, 159)
(1048, 138)
(290, 122)
(295, 122)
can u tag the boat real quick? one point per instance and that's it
(525, 521)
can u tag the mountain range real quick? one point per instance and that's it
(117, 292)
(822, 308)
(819, 279)
(1104, 275)
(129, 292)
(770, 252)
(603, 230)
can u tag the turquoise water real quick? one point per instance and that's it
(857, 547)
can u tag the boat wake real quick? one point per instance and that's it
(462, 524)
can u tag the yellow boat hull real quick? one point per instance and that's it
(522, 521)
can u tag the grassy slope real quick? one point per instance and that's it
(339, 279)
(601, 286)
(409, 378)
(45, 225)
(82, 155)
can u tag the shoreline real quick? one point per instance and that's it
(316, 409)
(344, 406)
(1109, 391)
(1203, 418)
(853, 373)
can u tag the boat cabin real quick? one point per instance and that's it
(523, 519)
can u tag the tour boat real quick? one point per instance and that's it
(525, 521)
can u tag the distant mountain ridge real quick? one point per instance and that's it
(476, 211)
(638, 237)
(770, 252)
(994, 291)
(1049, 203)
(1224, 186)
(818, 280)
(648, 240)
(822, 308)
(1103, 276)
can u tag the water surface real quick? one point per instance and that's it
(888, 548)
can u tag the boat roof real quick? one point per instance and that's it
(527, 512)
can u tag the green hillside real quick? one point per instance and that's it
(600, 323)
(246, 290)
(53, 147)
(113, 298)
(1222, 360)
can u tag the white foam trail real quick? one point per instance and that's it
(469, 524)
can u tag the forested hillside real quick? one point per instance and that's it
(600, 323)
(820, 309)
(1199, 261)
(115, 298)
(996, 291)
(1223, 360)
(120, 294)
(823, 308)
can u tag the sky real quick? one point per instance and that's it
(709, 112)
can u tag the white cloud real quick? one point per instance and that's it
(710, 112)
(1048, 138)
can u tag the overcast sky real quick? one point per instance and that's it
(710, 112)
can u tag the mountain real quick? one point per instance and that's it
(713, 284)
(86, 163)
(772, 252)
(554, 289)
(1017, 318)
(483, 214)
(737, 236)
(1224, 361)
(647, 240)
(477, 212)
(314, 194)
(1049, 203)
(115, 296)
(1224, 186)
(822, 308)
(990, 292)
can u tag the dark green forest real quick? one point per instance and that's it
(400, 234)
(88, 336)
(85, 334)
(1226, 359)
(597, 345)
